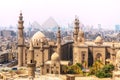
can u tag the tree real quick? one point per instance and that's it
(100, 74)
(75, 69)
(105, 72)
(108, 68)
(97, 65)
(80, 65)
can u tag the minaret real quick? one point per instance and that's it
(59, 42)
(76, 29)
(20, 40)
(31, 64)
(42, 52)
(77, 24)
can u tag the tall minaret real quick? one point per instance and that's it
(76, 29)
(20, 40)
(42, 52)
(31, 63)
(59, 42)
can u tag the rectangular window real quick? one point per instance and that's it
(83, 56)
(47, 70)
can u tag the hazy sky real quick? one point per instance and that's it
(90, 12)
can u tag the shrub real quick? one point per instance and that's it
(105, 72)
(100, 74)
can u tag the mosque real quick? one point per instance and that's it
(52, 55)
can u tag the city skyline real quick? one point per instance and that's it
(90, 12)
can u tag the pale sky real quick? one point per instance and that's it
(90, 12)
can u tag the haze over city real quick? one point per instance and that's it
(90, 12)
(59, 39)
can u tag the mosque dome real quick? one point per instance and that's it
(98, 40)
(55, 57)
(38, 36)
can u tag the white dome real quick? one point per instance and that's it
(55, 57)
(38, 36)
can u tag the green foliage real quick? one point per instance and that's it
(80, 65)
(100, 70)
(100, 74)
(73, 69)
(97, 65)
(105, 72)
(92, 71)
(108, 68)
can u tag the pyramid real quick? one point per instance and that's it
(50, 23)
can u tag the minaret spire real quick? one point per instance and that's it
(77, 24)
(59, 42)
(58, 36)
(76, 29)
(20, 22)
(20, 40)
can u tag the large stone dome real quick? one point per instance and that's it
(99, 40)
(55, 57)
(38, 36)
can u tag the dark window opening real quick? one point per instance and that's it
(83, 57)
(51, 72)
(47, 70)
(31, 61)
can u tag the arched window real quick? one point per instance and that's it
(99, 57)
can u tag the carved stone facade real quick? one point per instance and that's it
(77, 51)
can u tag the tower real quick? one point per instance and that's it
(80, 38)
(42, 71)
(55, 63)
(76, 29)
(31, 64)
(20, 40)
(59, 42)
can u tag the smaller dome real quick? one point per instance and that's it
(55, 57)
(98, 40)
